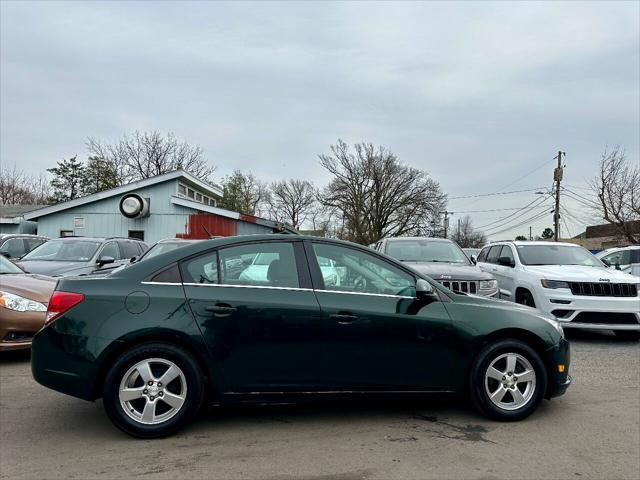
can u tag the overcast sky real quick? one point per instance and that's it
(478, 94)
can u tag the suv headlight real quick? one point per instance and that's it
(20, 304)
(554, 283)
(488, 284)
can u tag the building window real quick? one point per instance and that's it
(198, 197)
(182, 190)
(190, 193)
(66, 233)
(78, 222)
(139, 234)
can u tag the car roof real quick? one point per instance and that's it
(180, 240)
(12, 235)
(434, 239)
(532, 242)
(96, 239)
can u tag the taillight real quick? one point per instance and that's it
(60, 302)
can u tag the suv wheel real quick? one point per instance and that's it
(153, 390)
(525, 298)
(508, 380)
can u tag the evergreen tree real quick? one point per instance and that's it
(68, 179)
(99, 175)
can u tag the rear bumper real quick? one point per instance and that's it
(59, 362)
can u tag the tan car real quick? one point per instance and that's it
(23, 305)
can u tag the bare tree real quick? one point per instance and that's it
(376, 195)
(147, 154)
(292, 201)
(465, 235)
(617, 188)
(20, 188)
(244, 193)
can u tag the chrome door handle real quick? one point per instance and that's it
(344, 318)
(220, 309)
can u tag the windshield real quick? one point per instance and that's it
(7, 267)
(426, 251)
(160, 248)
(64, 251)
(556, 255)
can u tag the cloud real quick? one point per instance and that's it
(475, 93)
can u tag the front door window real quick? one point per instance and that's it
(350, 270)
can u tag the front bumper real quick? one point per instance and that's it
(17, 328)
(558, 381)
(590, 312)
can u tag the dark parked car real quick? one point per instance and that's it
(72, 256)
(442, 260)
(158, 338)
(14, 246)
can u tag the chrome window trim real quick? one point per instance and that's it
(367, 294)
(267, 287)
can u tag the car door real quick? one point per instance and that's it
(489, 263)
(376, 335)
(261, 325)
(504, 271)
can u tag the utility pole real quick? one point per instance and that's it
(530, 237)
(446, 223)
(557, 177)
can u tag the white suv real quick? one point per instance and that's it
(566, 281)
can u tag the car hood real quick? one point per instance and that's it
(53, 268)
(34, 287)
(449, 271)
(579, 273)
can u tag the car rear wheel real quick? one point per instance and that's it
(630, 335)
(508, 380)
(152, 390)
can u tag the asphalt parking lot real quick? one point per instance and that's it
(591, 432)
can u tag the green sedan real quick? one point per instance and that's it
(162, 337)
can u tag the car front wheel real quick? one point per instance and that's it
(152, 390)
(508, 380)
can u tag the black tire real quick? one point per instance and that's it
(525, 298)
(484, 359)
(191, 380)
(629, 335)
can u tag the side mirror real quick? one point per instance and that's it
(423, 289)
(473, 259)
(4, 253)
(618, 266)
(506, 262)
(105, 260)
(133, 259)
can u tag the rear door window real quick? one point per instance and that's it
(202, 269)
(129, 249)
(270, 264)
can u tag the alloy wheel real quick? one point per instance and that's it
(152, 391)
(510, 381)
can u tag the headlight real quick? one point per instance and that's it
(554, 283)
(20, 304)
(488, 284)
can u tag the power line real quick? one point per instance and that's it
(495, 193)
(524, 222)
(529, 207)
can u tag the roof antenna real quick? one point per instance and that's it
(206, 231)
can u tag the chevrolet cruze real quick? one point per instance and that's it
(162, 337)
